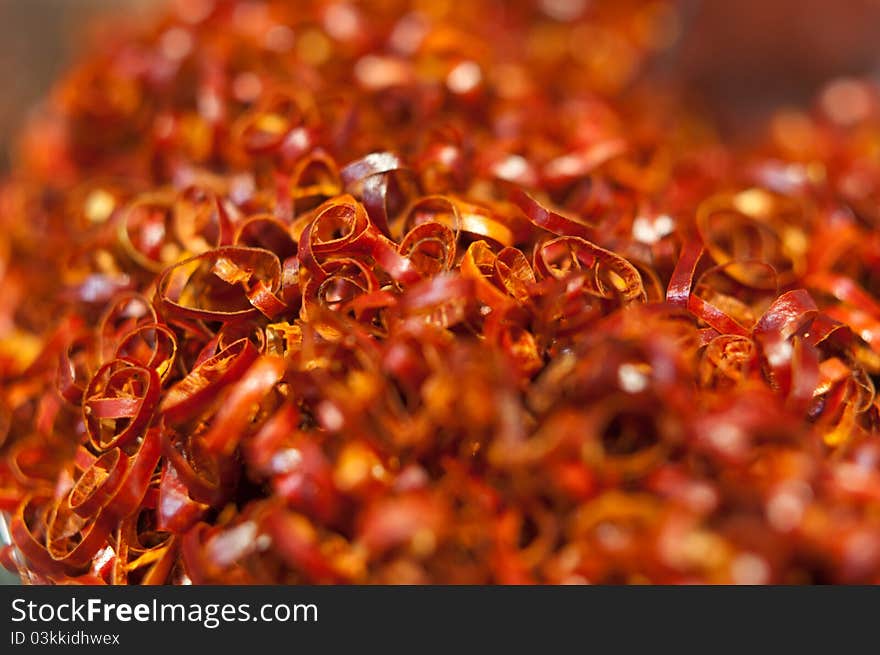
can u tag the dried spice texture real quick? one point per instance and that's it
(410, 292)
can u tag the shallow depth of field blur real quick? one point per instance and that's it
(739, 59)
(743, 59)
(37, 40)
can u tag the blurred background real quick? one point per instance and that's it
(37, 40)
(742, 58)
(749, 57)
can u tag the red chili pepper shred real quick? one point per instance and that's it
(434, 292)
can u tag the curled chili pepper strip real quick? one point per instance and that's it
(228, 283)
(98, 484)
(679, 291)
(715, 317)
(127, 311)
(141, 465)
(119, 403)
(28, 530)
(206, 478)
(356, 235)
(233, 417)
(550, 220)
(314, 179)
(73, 540)
(144, 554)
(152, 346)
(728, 357)
(142, 231)
(511, 269)
(788, 314)
(371, 173)
(610, 276)
(176, 511)
(200, 220)
(430, 247)
(75, 365)
(198, 389)
(478, 264)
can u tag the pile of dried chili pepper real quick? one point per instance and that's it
(412, 291)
